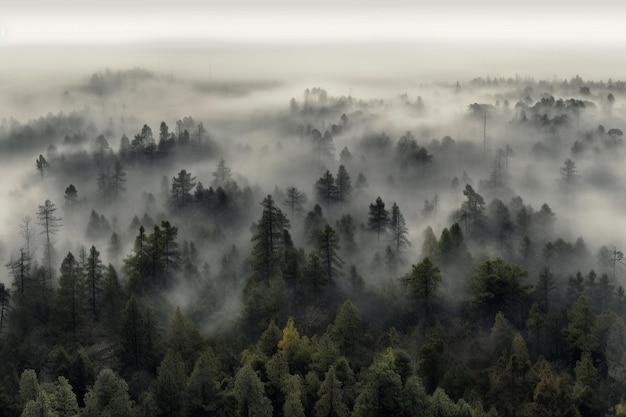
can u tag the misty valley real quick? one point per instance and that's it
(178, 245)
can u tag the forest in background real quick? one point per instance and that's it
(456, 252)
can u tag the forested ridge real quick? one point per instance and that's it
(341, 257)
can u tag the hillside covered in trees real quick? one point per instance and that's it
(452, 251)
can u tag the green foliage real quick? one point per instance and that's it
(327, 246)
(293, 397)
(497, 286)
(579, 333)
(381, 394)
(330, 402)
(204, 394)
(347, 333)
(170, 384)
(268, 240)
(139, 336)
(378, 218)
(70, 302)
(29, 387)
(94, 280)
(430, 364)
(422, 284)
(268, 342)
(295, 347)
(585, 391)
(250, 394)
(430, 244)
(326, 189)
(180, 194)
(343, 185)
(108, 397)
(398, 229)
(184, 338)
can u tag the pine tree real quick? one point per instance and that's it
(71, 296)
(294, 202)
(131, 333)
(398, 229)
(28, 235)
(222, 175)
(326, 189)
(422, 285)
(268, 240)
(250, 394)
(117, 179)
(108, 397)
(171, 255)
(315, 275)
(184, 338)
(330, 402)
(430, 244)
(180, 194)
(169, 388)
(292, 387)
(114, 248)
(50, 225)
(327, 246)
(94, 279)
(71, 197)
(204, 392)
(42, 166)
(343, 185)
(568, 174)
(137, 266)
(378, 219)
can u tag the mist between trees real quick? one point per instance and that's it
(453, 251)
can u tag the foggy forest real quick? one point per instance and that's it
(213, 232)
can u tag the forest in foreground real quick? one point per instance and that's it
(453, 251)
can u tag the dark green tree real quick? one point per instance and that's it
(71, 296)
(180, 193)
(170, 384)
(381, 393)
(399, 230)
(343, 185)
(472, 209)
(315, 275)
(545, 286)
(117, 179)
(378, 219)
(331, 402)
(327, 246)
(108, 397)
(71, 197)
(42, 166)
(422, 284)
(170, 253)
(250, 394)
(268, 240)
(204, 393)
(497, 286)
(132, 334)
(347, 333)
(50, 225)
(326, 189)
(94, 273)
(222, 175)
(294, 201)
(184, 338)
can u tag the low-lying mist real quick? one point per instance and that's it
(506, 136)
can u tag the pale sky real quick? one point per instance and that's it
(45, 22)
